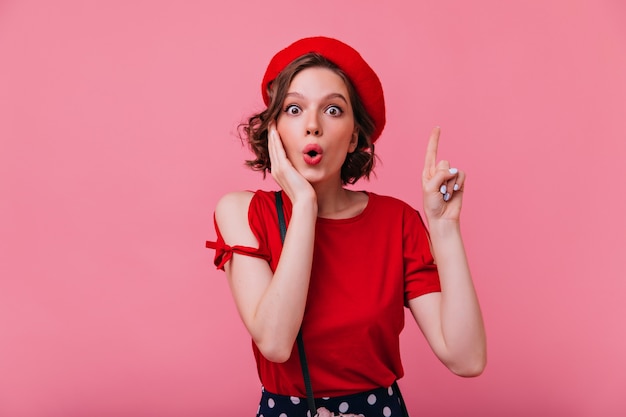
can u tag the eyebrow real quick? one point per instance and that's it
(329, 96)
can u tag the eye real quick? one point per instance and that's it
(292, 109)
(334, 111)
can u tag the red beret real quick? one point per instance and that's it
(361, 75)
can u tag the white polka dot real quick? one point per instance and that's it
(390, 391)
(271, 403)
(295, 400)
(343, 407)
(371, 400)
(282, 415)
(386, 411)
(325, 398)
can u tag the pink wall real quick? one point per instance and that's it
(117, 125)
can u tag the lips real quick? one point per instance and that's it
(312, 154)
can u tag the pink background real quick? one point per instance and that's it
(117, 127)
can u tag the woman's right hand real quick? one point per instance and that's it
(283, 171)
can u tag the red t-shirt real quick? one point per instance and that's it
(365, 268)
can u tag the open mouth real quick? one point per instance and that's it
(312, 154)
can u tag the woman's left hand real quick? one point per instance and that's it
(442, 185)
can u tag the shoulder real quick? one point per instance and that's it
(237, 201)
(394, 208)
(385, 202)
(232, 203)
(232, 213)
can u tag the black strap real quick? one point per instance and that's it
(305, 368)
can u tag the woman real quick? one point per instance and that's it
(351, 260)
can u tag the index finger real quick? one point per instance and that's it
(430, 162)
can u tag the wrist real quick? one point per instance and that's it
(305, 207)
(442, 228)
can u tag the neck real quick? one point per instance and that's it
(333, 200)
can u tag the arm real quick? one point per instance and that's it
(271, 305)
(451, 320)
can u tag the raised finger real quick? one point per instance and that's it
(430, 162)
(439, 177)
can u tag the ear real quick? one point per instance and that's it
(354, 141)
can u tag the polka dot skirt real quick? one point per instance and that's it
(380, 402)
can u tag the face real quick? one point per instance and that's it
(316, 124)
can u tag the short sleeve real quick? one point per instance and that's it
(224, 252)
(421, 276)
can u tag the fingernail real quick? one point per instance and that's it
(456, 187)
(446, 197)
(443, 189)
(453, 171)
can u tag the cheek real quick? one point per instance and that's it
(347, 131)
(284, 126)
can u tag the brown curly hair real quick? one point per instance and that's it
(359, 163)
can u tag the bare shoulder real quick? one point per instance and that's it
(234, 201)
(231, 215)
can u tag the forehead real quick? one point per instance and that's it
(318, 81)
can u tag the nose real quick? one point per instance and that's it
(313, 126)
